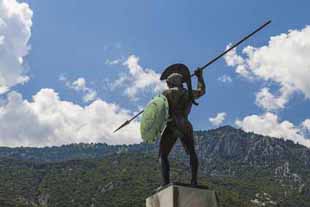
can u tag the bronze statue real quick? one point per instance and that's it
(180, 102)
(173, 123)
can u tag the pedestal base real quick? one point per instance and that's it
(182, 195)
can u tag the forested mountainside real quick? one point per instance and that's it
(245, 169)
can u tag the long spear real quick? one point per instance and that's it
(206, 65)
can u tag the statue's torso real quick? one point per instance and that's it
(179, 102)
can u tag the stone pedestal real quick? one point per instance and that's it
(182, 195)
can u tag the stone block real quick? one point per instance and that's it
(182, 195)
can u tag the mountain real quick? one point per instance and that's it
(245, 169)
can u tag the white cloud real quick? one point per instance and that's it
(113, 62)
(306, 127)
(218, 119)
(90, 95)
(306, 124)
(138, 79)
(80, 85)
(270, 102)
(269, 124)
(225, 79)
(284, 61)
(234, 60)
(15, 32)
(47, 120)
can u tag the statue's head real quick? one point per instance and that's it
(175, 80)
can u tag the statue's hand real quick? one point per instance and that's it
(198, 72)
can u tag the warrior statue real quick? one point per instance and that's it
(166, 115)
(180, 102)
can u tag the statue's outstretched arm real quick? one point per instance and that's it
(201, 86)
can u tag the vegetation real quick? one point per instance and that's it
(245, 169)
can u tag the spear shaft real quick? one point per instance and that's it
(234, 46)
(206, 65)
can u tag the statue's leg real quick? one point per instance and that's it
(189, 145)
(166, 143)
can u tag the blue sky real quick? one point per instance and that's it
(80, 39)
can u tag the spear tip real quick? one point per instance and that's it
(124, 124)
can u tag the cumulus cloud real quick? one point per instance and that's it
(306, 127)
(15, 32)
(225, 79)
(269, 101)
(138, 79)
(80, 85)
(306, 124)
(218, 119)
(234, 60)
(269, 124)
(90, 96)
(47, 120)
(284, 61)
(113, 62)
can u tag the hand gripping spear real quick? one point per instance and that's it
(206, 65)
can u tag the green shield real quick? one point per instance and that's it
(154, 118)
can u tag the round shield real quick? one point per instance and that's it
(154, 119)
